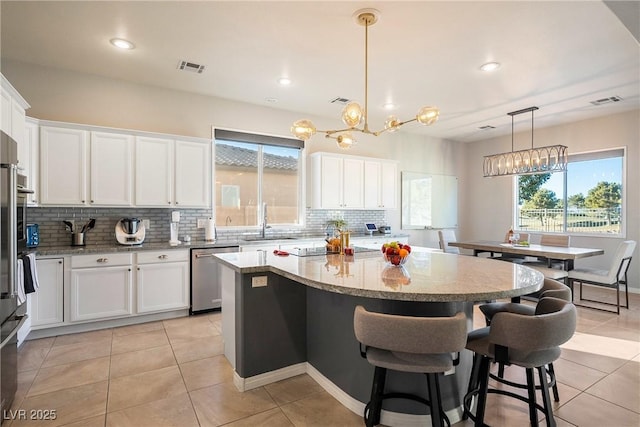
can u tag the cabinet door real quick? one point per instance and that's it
(330, 183)
(111, 162)
(371, 188)
(47, 301)
(162, 287)
(18, 121)
(28, 159)
(63, 166)
(100, 293)
(353, 185)
(5, 111)
(388, 185)
(154, 165)
(192, 174)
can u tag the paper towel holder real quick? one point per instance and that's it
(210, 235)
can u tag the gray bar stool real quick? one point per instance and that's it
(529, 341)
(550, 288)
(408, 344)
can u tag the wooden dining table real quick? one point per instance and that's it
(566, 255)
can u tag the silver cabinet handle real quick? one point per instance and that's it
(163, 256)
(103, 260)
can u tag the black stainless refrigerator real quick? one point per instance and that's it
(10, 318)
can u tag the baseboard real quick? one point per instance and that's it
(386, 417)
(244, 384)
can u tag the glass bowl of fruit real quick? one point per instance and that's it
(396, 253)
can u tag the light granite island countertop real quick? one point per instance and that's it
(428, 275)
(287, 315)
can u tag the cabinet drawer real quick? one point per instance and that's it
(170, 255)
(100, 260)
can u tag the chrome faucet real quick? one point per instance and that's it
(264, 220)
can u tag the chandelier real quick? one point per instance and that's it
(353, 114)
(552, 158)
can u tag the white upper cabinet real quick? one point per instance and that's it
(337, 182)
(12, 111)
(350, 182)
(28, 159)
(63, 166)
(192, 174)
(381, 182)
(111, 169)
(153, 171)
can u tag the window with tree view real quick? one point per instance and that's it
(254, 169)
(587, 198)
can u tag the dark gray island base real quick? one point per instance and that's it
(290, 326)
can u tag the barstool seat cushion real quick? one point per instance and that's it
(409, 362)
(478, 341)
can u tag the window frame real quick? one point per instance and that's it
(581, 156)
(261, 139)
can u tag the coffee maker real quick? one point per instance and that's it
(130, 231)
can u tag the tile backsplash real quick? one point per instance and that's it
(53, 232)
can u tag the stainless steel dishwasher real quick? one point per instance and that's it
(206, 289)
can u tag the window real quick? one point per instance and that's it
(252, 169)
(587, 199)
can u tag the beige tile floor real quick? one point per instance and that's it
(173, 373)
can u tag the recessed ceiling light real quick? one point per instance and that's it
(122, 44)
(490, 66)
(284, 81)
(389, 106)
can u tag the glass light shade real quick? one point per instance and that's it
(428, 115)
(392, 124)
(345, 141)
(552, 158)
(303, 129)
(352, 114)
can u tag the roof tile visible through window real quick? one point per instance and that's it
(236, 156)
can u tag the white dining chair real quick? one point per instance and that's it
(445, 236)
(614, 277)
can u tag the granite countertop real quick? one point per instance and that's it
(428, 275)
(195, 244)
(115, 247)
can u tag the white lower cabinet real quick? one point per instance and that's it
(101, 287)
(46, 304)
(162, 280)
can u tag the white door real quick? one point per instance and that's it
(63, 166)
(372, 184)
(153, 172)
(389, 185)
(100, 293)
(330, 182)
(353, 183)
(193, 174)
(162, 287)
(111, 169)
(28, 159)
(47, 303)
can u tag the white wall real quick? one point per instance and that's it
(486, 203)
(81, 98)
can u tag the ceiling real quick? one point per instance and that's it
(557, 55)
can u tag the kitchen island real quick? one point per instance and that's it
(283, 316)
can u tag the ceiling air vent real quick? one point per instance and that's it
(606, 100)
(340, 100)
(190, 66)
(486, 127)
